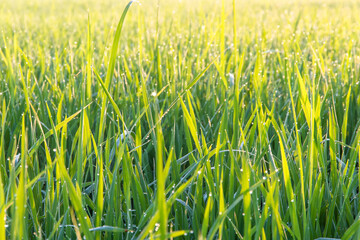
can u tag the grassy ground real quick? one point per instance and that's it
(200, 119)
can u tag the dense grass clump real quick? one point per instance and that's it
(179, 119)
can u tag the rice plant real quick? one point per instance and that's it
(179, 119)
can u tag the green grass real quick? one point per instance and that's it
(218, 119)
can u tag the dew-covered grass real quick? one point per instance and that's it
(179, 119)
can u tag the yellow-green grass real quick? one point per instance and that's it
(183, 119)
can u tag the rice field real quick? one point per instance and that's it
(179, 119)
